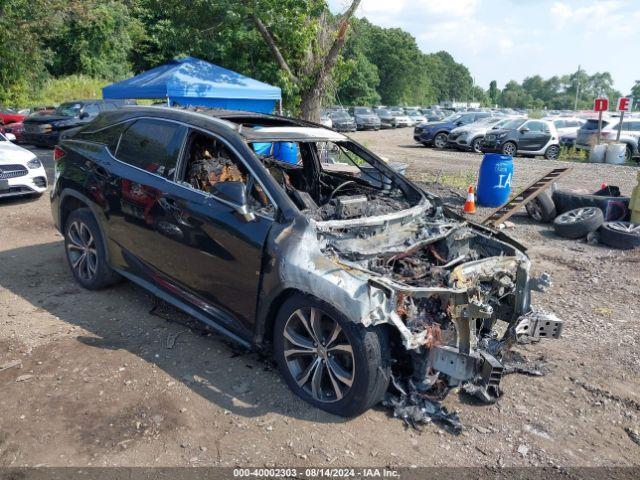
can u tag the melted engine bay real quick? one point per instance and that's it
(460, 300)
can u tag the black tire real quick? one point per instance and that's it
(623, 235)
(441, 140)
(93, 273)
(552, 152)
(370, 368)
(542, 209)
(578, 223)
(509, 148)
(615, 208)
(628, 154)
(475, 145)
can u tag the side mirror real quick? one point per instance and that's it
(236, 194)
(83, 115)
(524, 130)
(459, 123)
(10, 136)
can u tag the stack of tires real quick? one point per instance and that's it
(576, 216)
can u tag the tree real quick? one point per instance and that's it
(321, 52)
(94, 38)
(493, 92)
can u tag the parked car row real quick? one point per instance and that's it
(512, 135)
(367, 118)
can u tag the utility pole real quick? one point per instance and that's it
(575, 105)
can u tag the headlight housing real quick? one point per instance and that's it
(34, 163)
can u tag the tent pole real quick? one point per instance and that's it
(168, 101)
(280, 107)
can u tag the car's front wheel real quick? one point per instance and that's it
(440, 140)
(509, 148)
(85, 251)
(328, 360)
(476, 144)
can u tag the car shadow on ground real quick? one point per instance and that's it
(119, 318)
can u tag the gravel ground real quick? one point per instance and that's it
(95, 378)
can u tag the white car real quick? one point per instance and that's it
(21, 173)
(404, 121)
(566, 125)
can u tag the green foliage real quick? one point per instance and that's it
(55, 50)
(95, 38)
(558, 92)
(58, 90)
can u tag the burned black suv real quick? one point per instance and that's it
(44, 130)
(349, 273)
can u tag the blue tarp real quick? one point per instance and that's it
(191, 81)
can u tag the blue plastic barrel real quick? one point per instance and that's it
(494, 180)
(286, 152)
(283, 151)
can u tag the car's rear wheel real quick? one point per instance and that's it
(328, 360)
(85, 251)
(440, 140)
(510, 148)
(628, 154)
(552, 152)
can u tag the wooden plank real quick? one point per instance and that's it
(525, 196)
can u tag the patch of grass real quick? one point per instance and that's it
(457, 180)
(63, 89)
(570, 154)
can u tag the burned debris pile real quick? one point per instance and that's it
(360, 205)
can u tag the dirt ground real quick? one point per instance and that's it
(95, 378)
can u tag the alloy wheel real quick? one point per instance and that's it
(535, 210)
(553, 152)
(475, 146)
(625, 227)
(82, 251)
(440, 140)
(318, 354)
(509, 149)
(577, 215)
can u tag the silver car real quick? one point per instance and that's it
(468, 137)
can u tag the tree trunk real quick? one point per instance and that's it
(311, 102)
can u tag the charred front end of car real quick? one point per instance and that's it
(458, 297)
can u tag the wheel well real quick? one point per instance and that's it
(69, 204)
(272, 313)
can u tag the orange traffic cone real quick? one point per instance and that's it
(470, 204)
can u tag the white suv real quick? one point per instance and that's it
(21, 173)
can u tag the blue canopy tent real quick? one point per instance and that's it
(193, 82)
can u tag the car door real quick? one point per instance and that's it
(534, 135)
(146, 153)
(213, 256)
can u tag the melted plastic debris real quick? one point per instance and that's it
(416, 409)
(376, 205)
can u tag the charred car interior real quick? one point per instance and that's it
(368, 288)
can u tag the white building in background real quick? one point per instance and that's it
(454, 104)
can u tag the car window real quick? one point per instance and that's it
(92, 109)
(634, 126)
(561, 123)
(209, 162)
(536, 126)
(152, 145)
(109, 136)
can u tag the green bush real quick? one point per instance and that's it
(72, 87)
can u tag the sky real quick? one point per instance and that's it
(506, 40)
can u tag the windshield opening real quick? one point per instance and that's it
(69, 109)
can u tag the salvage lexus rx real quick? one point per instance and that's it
(346, 271)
